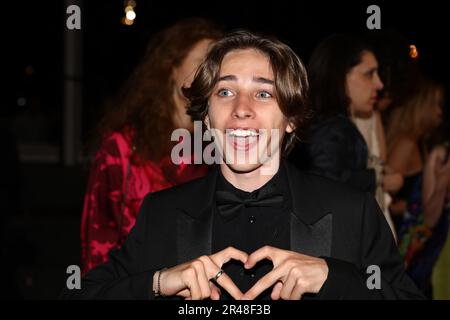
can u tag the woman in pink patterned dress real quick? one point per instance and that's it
(133, 158)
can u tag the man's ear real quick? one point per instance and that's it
(290, 127)
(206, 121)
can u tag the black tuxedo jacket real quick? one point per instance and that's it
(328, 219)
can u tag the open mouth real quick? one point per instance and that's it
(242, 139)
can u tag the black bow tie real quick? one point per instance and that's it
(229, 204)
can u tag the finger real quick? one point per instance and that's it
(222, 257)
(276, 291)
(298, 292)
(190, 278)
(263, 253)
(224, 280)
(226, 283)
(202, 279)
(288, 287)
(264, 283)
(215, 292)
(185, 293)
(210, 267)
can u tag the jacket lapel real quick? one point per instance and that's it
(193, 237)
(311, 239)
(194, 223)
(311, 223)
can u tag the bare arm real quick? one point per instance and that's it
(399, 158)
(435, 186)
(399, 164)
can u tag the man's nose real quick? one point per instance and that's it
(243, 107)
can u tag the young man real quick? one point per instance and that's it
(255, 228)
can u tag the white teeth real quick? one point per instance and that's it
(243, 133)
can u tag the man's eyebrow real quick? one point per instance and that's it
(227, 78)
(263, 80)
(255, 79)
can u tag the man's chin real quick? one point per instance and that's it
(243, 167)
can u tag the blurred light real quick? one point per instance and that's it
(130, 3)
(21, 101)
(131, 15)
(29, 70)
(126, 21)
(413, 52)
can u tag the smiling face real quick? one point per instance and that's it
(363, 84)
(243, 110)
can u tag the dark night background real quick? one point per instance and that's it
(41, 221)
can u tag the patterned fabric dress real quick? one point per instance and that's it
(419, 245)
(115, 191)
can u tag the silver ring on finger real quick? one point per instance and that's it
(218, 274)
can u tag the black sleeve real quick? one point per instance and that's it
(348, 281)
(122, 276)
(329, 154)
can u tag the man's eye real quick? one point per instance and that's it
(263, 94)
(224, 93)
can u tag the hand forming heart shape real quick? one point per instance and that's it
(293, 274)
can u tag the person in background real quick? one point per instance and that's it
(371, 128)
(422, 204)
(398, 71)
(133, 157)
(343, 73)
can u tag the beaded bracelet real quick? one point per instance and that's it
(158, 287)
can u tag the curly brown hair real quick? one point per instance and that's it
(145, 103)
(291, 83)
